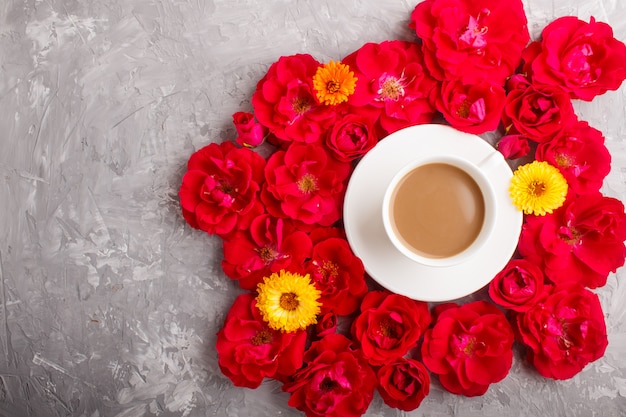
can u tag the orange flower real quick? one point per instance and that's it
(334, 83)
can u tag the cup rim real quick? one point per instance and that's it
(489, 220)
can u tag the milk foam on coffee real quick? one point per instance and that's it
(437, 210)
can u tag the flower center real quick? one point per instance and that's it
(328, 270)
(333, 86)
(475, 33)
(564, 160)
(301, 105)
(289, 301)
(388, 328)
(536, 188)
(307, 183)
(262, 337)
(328, 384)
(463, 111)
(267, 254)
(391, 88)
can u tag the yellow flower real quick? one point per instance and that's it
(288, 302)
(334, 82)
(538, 188)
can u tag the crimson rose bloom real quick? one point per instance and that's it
(305, 183)
(519, 286)
(393, 84)
(352, 137)
(565, 332)
(249, 350)
(473, 108)
(469, 347)
(537, 111)
(403, 384)
(285, 102)
(580, 243)
(580, 154)
(219, 192)
(326, 324)
(338, 274)
(249, 132)
(270, 245)
(582, 58)
(335, 381)
(471, 41)
(389, 325)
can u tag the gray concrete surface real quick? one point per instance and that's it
(109, 303)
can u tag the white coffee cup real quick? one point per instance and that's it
(450, 215)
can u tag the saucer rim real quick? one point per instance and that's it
(390, 155)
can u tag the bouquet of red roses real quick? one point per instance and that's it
(309, 318)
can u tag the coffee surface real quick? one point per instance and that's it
(438, 210)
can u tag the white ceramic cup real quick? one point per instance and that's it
(490, 211)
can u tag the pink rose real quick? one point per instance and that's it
(538, 112)
(473, 108)
(249, 133)
(582, 58)
(285, 102)
(305, 183)
(249, 351)
(565, 332)
(471, 41)
(220, 190)
(403, 384)
(579, 243)
(394, 87)
(519, 286)
(469, 347)
(580, 155)
(270, 245)
(339, 274)
(389, 325)
(351, 137)
(513, 146)
(335, 381)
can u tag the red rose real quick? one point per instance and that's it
(219, 192)
(305, 184)
(270, 245)
(565, 332)
(471, 41)
(469, 347)
(393, 84)
(519, 286)
(582, 58)
(249, 132)
(249, 351)
(352, 137)
(326, 324)
(389, 325)
(537, 111)
(513, 146)
(473, 108)
(580, 154)
(335, 381)
(338, 274)
(285, 102)
(581, 242)
(403, 384)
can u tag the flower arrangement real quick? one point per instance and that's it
(309, 317)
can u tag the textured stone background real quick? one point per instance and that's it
(109, 303)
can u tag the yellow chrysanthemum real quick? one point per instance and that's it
(538, 188)
(288, 302)
(334, 83)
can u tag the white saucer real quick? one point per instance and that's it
(364, 225)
